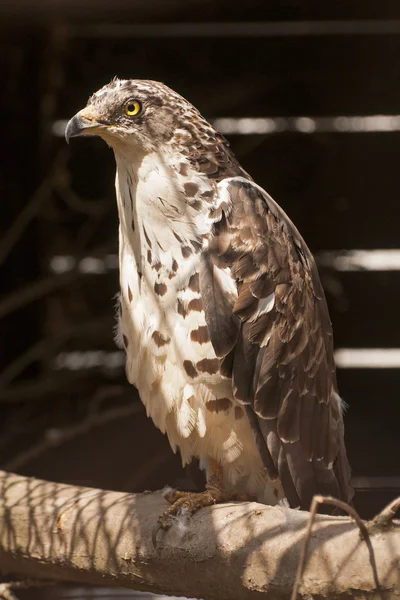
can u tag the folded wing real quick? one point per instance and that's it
(274, 339)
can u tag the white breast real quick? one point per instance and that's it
(155, 280)
(160, 310)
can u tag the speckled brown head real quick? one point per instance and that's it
(148, 111)
(150, 115)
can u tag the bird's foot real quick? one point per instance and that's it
(184, 504)
(187, 503)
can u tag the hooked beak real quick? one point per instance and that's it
(83, 123)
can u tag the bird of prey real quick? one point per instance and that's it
(221, 312)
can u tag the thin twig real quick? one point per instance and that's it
(384, 519)
(34, 291)
(33, 388)
(22, 221)
(316, 502)
(78, 204)
(57, 437)
(45, 347)
(31, 209)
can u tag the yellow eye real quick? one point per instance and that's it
(132, 108)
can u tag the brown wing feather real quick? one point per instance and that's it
(223, 324)
(276, 337)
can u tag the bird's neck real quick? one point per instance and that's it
(163, 206)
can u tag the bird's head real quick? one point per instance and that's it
(138, 117)
(144, 114)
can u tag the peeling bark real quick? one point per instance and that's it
(226, 552)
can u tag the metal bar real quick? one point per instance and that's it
(376, 483)
(345, 358)
(302, 124)
(367, 358)
(264, 29)
(339, 260)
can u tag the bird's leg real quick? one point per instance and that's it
(191, 502)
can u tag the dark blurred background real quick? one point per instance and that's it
(308, 93)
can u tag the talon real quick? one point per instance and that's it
(191, 502)
(170, 496)
(173, 495)
(162, 524)
(154, 534)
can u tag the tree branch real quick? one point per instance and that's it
(232, 551)
(33, 291)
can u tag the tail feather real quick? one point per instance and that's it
(301, 477)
